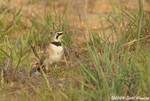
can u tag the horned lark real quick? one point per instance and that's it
(51, 54)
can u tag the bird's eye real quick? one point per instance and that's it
(58, 34)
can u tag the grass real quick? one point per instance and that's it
(96, 69)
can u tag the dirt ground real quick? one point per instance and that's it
(91, 9)
(77, 13)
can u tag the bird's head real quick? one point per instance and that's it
(58, 36)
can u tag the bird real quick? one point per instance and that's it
(51, 54)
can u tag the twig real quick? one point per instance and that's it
(34, 51)
(44, 75)
(135, 40)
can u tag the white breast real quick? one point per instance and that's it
(57, 53)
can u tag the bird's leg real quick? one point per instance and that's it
(46, 68)
(55, 66)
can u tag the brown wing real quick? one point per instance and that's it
(46, 55)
